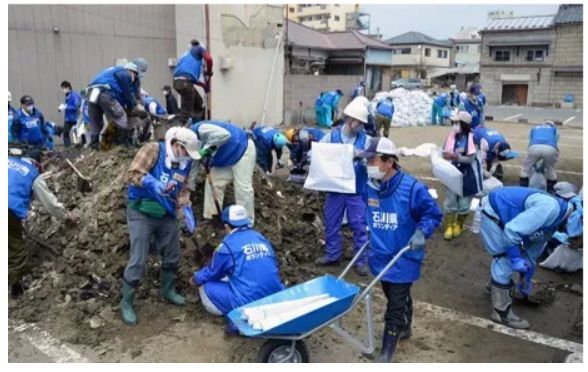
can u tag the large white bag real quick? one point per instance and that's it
(491, 183)
(564, 258)
(331, 168)
(447, 173)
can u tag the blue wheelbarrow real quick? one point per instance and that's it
(285, 341)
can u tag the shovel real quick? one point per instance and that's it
(218, 220)
(84, 184)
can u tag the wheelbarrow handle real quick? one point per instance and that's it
(355, 258)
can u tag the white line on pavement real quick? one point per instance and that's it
(568, 120)
(560, 145)
(557, 170)
(444, 313)
(48, 345)
(512, 117)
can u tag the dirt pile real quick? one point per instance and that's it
(85, 277)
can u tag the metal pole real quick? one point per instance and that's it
(269, 83)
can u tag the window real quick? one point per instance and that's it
(292, 10)
(323, 6)
(427, 52)
(439, 53)
(405, 51)
(534, 56)
(444, 54)
(337, 18)
(502, 56)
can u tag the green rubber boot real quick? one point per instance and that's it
(127, 310)
(168, 290)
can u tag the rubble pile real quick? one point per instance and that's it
(85, 275)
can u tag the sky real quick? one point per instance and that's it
(440, 21)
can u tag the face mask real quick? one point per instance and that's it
(66, 91)
(356, 129)
(30, 108)
(456, 128)
(373, 171)
(165, 92)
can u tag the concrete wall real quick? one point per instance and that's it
(245, 35)
(538, 80)
(90, 38)
(306, 88)
(468, 53)
(569, 53)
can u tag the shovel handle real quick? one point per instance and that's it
(76, 170)
(214, 192)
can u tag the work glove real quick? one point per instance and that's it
(525, 284)
(205, 152)
(487, 174)
(418, 240)
(190, 222)
(61, 107)
(517, 262)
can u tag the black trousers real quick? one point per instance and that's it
(66, 129)
(191, 105)
(398, 315)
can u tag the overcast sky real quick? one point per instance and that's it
(440, 21)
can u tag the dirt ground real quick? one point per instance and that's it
(74, 297)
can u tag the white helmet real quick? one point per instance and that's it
(9, 96)
(358, 109)
(187, 138)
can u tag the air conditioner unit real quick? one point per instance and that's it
(226, 63)
(171, 62)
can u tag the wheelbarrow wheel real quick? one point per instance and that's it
(274, 351)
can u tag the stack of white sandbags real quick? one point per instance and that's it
(268, 316)
(411, 108)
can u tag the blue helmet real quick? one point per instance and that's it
(235, 216)
(280, 140)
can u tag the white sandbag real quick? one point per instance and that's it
(564, 258)
(423, 151)
(290, 314)
(491, 183)
(331, 168)
(537, 181)
(447, 173)
(256, 313)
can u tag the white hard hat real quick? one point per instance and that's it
(9, 96)
(358, 109)
(453, 86)
(187, 138)
(462, 116)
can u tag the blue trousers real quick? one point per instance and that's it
(334, 209)
(495, 244)
(437, 113)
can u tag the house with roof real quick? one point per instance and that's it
(338, 53)
(418, 55)
(525, 60)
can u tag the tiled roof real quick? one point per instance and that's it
(519, 23)
(301, 35)
(569, 13)
(414, 37)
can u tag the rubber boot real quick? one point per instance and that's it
(502, 307)
(449, 222)
(94, 141)
(168, 290)
(389, 342)
(127, 311)
(458, 225)
(524, 181)
(550, 186)
(122, 137)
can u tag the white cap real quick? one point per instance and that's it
(565, 190)
(379, 146)
(187, 138)
(462, 116)
(235, 215)
(357, 109)
(131, 66)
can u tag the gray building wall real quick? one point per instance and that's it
(305, 89)
(90, 38)
(568, 54)
(537, 75)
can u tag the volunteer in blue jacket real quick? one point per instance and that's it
(110, 93)
(186, 75)
(439, 104)
(300, 142)
(244, 267)
(24, 182)
(493, 149)
(543, 145)
(327, 107)
(383, 115)
(268, 141)
(359, 90)
(516, 224)
(454, 100)
(400, 212)
(11, 115)
(152, 105)
(351, 132)
(29, 126)
(460, 150)
(230, 155)
(156, 193)
(70, 109)
(474, 104)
